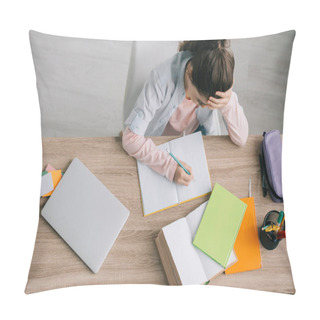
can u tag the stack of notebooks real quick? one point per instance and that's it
(220, 235)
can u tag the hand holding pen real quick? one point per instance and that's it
(183, 174)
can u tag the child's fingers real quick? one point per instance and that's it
(226, 94)
(187, 178)
(216, 103)
(183, 178)
(220, 95)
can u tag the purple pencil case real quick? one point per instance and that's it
(270, 163)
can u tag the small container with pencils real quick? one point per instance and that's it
(272, 230)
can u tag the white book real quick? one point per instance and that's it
(158, 193)
(192, 265)
(46, 184)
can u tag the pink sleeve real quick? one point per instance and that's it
(144, 150)
(236, 121)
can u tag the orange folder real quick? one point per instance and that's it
(56, 176)
(247, 247)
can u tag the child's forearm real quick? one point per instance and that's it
(144, 150)
(237, 124)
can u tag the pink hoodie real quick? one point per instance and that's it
(183, 120)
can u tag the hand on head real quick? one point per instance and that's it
(181, 177)
(217, 103)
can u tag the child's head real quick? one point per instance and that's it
(211, 67)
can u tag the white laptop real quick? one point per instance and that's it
(85, 214)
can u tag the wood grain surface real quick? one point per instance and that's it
(134, 258)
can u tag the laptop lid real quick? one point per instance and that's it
(85, 214)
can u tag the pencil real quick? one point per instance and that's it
(282, 222)
(179, 163)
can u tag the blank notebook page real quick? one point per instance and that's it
(193, 153)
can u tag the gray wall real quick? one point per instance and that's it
(261, 74)
(88, 87)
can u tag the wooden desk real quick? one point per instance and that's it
(134, 258)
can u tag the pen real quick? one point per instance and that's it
(268, 229)
(265, 227)
(280, 218)
(179, 163)
(281, 222)
(272, 228)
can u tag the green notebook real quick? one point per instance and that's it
(219, 225)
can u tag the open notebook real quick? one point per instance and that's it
(182, 261)
(158, 193)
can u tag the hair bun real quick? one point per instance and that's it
(222, 44)
(201, 45)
